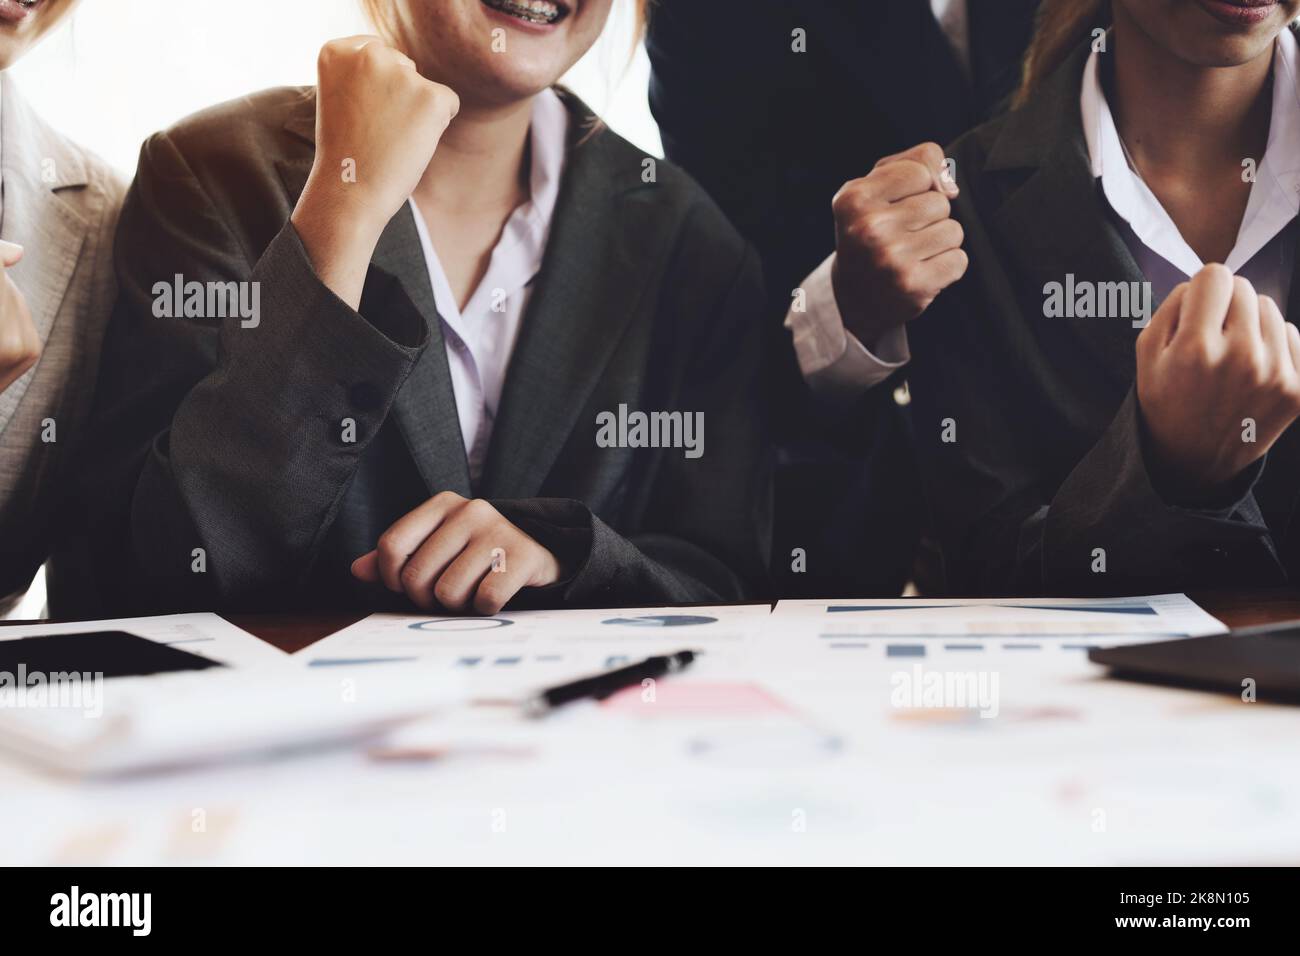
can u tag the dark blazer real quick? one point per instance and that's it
(1049, 461)
(230, 439)
(772, 135)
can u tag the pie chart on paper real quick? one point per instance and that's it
(460, 624)
(661, 620)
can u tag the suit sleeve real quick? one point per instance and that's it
(707, 527)
(221, 455)
(1008, 521)
(1148, 539)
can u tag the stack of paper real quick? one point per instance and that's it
(260, 702)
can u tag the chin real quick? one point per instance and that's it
(1232, 52)
(503, 86)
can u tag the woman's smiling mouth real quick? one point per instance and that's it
(539, 12)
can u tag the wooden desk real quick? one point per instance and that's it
(1249, 608)
(293, 632)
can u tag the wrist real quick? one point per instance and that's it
(866, 329)
(867, 324)
(1186, 481)
(339, 216)
(339, 231)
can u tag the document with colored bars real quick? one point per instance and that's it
(926, 629)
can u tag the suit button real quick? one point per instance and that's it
(365, 396)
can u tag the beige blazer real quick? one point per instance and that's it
(60, 203)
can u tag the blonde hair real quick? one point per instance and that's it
(1061, 26)
(390, 23)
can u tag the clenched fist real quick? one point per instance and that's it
(20, 346)
(378, 123)
(1217, 381)
(459, 554)
(896, 244)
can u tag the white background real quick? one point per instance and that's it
(119, 70)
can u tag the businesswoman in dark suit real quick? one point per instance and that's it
(1071, 445)
(461, 293)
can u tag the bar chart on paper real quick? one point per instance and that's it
(923, 628)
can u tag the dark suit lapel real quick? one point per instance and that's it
(902, 61)
(1058, 225)
(1056, 222)
(425, 407)
(52, 230)
(593, 277)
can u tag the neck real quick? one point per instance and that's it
(480, 162)
(1174, 114)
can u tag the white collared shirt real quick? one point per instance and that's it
(1264, 251)
(834, 361)
(480, 338)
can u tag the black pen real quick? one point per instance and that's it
(603, 685)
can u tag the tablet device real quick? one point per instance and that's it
(1269, 656)
(110, 653)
